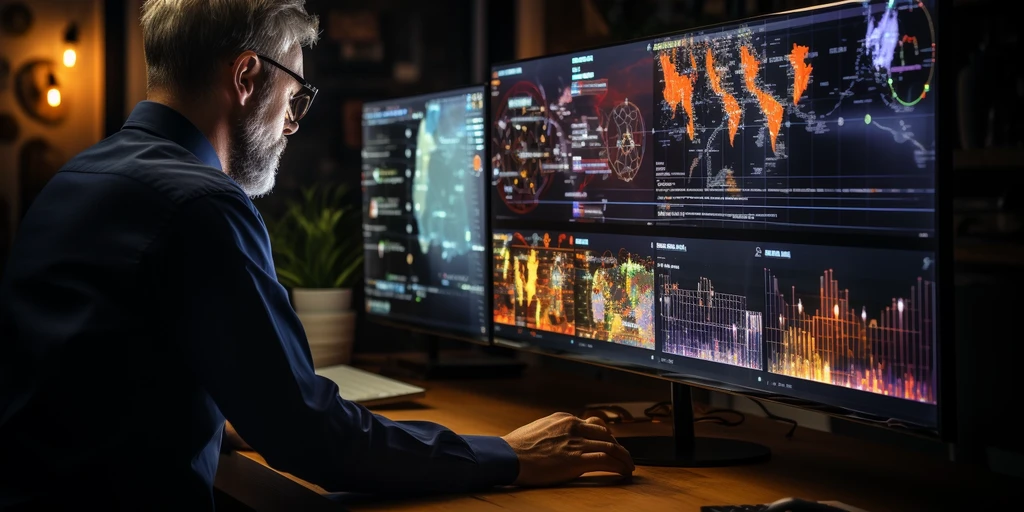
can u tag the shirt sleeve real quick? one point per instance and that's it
(249, 351)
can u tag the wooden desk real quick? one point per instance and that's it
(813, 465)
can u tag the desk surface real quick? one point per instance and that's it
(813, 465)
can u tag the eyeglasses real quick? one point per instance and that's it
(299, 104)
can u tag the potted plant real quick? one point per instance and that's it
(318, 254)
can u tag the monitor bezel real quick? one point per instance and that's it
(945, 429)
(945, 264)
(408, 325)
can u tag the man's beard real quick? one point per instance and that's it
(255, 151)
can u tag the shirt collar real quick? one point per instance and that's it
(167, 123)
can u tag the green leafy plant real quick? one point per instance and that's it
(317, 243)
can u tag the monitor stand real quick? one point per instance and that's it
(468, 364)
(684, 449)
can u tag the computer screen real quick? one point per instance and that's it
(749, 206)
(425, 212)
(805, 122)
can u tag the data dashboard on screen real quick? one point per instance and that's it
(750, 206)
(848, 327)
(819, 121)
(424, 212)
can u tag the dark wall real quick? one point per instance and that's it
(988, 120)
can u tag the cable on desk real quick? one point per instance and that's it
(659, 410)
(843, 413)
(664, 410)
(792, 423)
(710, 416)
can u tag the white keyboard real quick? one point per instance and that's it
(369, 389)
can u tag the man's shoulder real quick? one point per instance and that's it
(164, 168)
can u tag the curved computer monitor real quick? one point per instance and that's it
(750, 207)
(425, 229)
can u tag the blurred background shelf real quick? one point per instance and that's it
(988, 158)
(989, 252)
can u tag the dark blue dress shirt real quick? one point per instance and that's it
(140, 308)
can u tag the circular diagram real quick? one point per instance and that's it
(904, 48)
(625, 135)
(528, 148)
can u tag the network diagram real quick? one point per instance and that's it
(805, 121)
(572, 134)
(752, 119)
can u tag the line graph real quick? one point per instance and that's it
(701, 323)
(827, 339)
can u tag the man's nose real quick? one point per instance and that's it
(290, 126)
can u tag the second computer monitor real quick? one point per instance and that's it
(425, 213)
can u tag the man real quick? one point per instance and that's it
(140, 307)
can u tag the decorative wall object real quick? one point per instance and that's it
(15, 18)
(5, 73)
(38, 161)
(70, 55)
(357, 33)
(8, 128)
(5, 234)
(352, 123)
(39, 92)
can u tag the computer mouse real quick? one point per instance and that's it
(800, 505)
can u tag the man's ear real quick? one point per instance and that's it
(245, 72)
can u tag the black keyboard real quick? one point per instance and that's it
(734, 508)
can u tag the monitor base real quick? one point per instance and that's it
(684, 449)
(450, 366)
(705, 452)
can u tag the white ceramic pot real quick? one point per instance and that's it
(322, 300)
(330, 336)
(329, 323)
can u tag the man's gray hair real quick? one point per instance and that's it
(185, 40)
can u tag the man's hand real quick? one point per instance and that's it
(562, 447)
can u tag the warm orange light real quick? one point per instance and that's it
(53, 97)
(70, 57)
